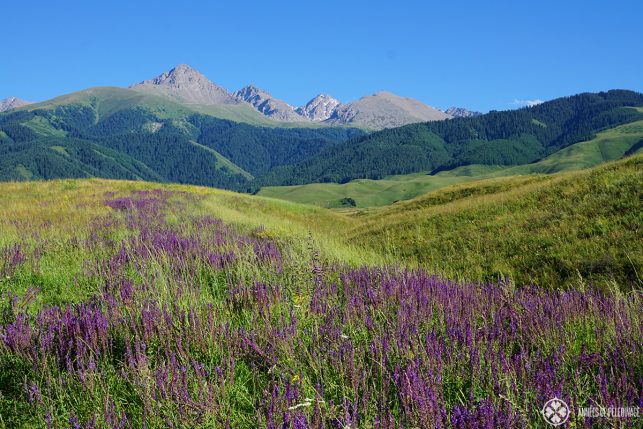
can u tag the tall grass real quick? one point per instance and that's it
(547, 230)
(128, 305)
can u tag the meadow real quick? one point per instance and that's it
(607, 145)
(132, 304)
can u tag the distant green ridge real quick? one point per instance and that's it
(607, 146)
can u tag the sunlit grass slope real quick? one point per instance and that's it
(365, 192)
(128, 307)
(607, 146)
(62, 210)
(547, 229)
(552, 230)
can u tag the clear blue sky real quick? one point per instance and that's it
(477, 54)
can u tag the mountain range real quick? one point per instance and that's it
(509, 138)
(378, 111)
(187, 86)
(181, 127)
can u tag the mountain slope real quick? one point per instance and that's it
(498, 138)
(319, 108)
(12, 103)
(187, 85)
(385, 110)
(608, 145)
(164, 139)
(267, 104)
(47, 158)
(188, 89)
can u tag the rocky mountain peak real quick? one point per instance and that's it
(461, 112)
(319, 108)
(385, 110)
(12, 103)
(179, 76)
(250, 92)
(188, 85)
(265, 103)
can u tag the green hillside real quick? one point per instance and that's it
(137, 304)
(546, 229)
(515, 137)
(108, 100)
(124, 134)
(608, 145)
(363, 192)
(69, 157)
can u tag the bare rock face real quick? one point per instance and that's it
(187, 85)
(385, 110)
(12, 103)
(266, 104)
(319, 108)
(461, 112)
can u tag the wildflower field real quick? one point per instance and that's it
(131, 305)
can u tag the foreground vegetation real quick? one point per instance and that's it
(129, 305)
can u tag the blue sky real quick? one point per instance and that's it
(478, 54)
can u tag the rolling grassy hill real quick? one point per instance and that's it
(608, 145)
(363, 192)
(547, 229)
(132, 304)
(553, 229)
(543, 229)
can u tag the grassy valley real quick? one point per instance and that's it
(608, 145)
